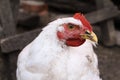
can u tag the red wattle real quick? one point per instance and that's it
(74, 42)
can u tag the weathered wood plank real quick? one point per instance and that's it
(102, 14)
(18, 41)
(98, 15)
(2, 68)
(15, 5)
(7, 19)
(118, 38)
(67, 6)
(108, 33)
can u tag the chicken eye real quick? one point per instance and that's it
(70, 26)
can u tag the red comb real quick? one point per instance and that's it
(84, 21)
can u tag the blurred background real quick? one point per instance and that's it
(22, 20)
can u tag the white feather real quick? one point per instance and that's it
(47, 58)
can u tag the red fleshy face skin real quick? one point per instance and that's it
(72, 32)
(71, 35)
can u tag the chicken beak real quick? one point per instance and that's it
(91, 36)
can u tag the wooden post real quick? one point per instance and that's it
(8, 28)
(15, 8)
(107, 27)
(7, 19)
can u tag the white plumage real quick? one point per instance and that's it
(48, 58)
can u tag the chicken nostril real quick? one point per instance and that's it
(87, 32)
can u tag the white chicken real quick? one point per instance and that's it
(62, 51)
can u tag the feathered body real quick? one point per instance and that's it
(48, 58)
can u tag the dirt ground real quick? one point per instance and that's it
(109, 62)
